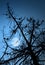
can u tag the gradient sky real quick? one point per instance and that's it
(33, 8)
(28, 8)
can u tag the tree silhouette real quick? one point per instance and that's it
(31, 50)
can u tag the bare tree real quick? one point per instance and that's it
(31, 50)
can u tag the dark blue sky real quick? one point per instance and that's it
(33, 8)
(28, 8)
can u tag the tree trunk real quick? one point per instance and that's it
(34, 57)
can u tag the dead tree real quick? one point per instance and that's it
(31, 50)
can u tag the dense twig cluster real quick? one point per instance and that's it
(33, 45)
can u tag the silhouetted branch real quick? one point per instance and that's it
(33, 43)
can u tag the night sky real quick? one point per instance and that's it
(28, 8)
